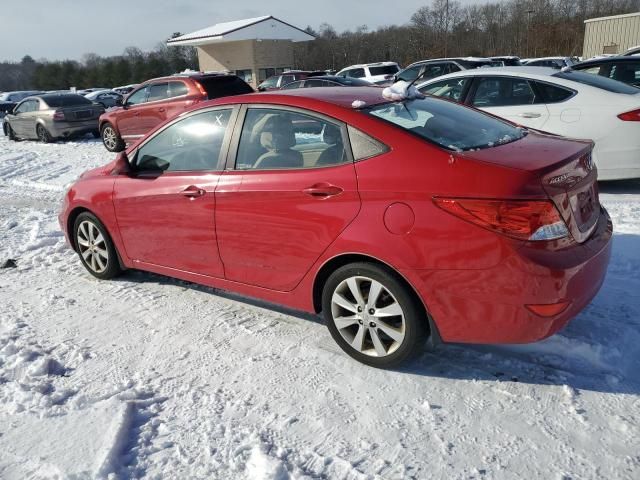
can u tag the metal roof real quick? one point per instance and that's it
(259, 28)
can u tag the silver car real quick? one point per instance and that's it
(52, 116)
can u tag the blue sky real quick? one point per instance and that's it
(61, 29)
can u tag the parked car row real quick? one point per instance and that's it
(564, 101)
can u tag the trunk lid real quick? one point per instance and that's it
(81, 113)
(565, 170)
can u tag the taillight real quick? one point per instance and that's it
(632, 116)
(201, 89)
(530, 220)
(58, 115)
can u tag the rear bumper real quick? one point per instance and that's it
(488, 306)
(67, 129)
(617, 161)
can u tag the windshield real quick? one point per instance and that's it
(598, 81)
(447, 124)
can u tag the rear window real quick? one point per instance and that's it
(447, 124)
(598, 82)
(56, 101)
(217, 87)
(384, 70)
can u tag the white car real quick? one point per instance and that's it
(563, 102)
(371, 72)
(555, 62)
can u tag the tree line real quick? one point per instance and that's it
(442, 28)
(133, 66)
(447, 28)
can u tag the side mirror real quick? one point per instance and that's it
(121, 165)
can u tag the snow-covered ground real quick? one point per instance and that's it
(148, 377)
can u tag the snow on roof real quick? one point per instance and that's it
(266, 27)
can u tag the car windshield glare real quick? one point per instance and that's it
(447, 124)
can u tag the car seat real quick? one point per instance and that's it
(277, 137)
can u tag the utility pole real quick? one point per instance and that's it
(446, 26)
(529, 12)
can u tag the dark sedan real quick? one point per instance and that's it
(623, 68)
(52, 116)
(327, 81)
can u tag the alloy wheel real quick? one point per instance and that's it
(92, 246)
(110, 138)
(367, 316)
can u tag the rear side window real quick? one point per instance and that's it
(553, 93)
(597, 81)
(66, 101)
(223, 86)
(447, 124)
(504, 92)
(383, 70)
(628, 72)
(280, 139)
(363, 146)
(177, 89)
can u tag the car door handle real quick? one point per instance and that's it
(529, 115)
(322, 190)
(161, 109)
(135, 114)
(193, 192)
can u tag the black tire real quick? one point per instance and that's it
(110, 138)
(8, 131)
(412, 322)
(89, 247)
(42, 134)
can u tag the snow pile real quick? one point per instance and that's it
(401, 91)
(149, 377)
(358, 104)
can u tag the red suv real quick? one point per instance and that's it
(154, 101)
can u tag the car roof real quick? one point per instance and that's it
(339, 96)
(451, 59)
(524, 71)
(374, 64)
(616, 59)
(193, 75)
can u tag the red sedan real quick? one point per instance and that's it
(398, 220)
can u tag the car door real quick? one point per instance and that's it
(30, 118)
(18, 118)
(129, 116)
(512, 98)
(178, 99)
(290, 189)
(165, 207)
